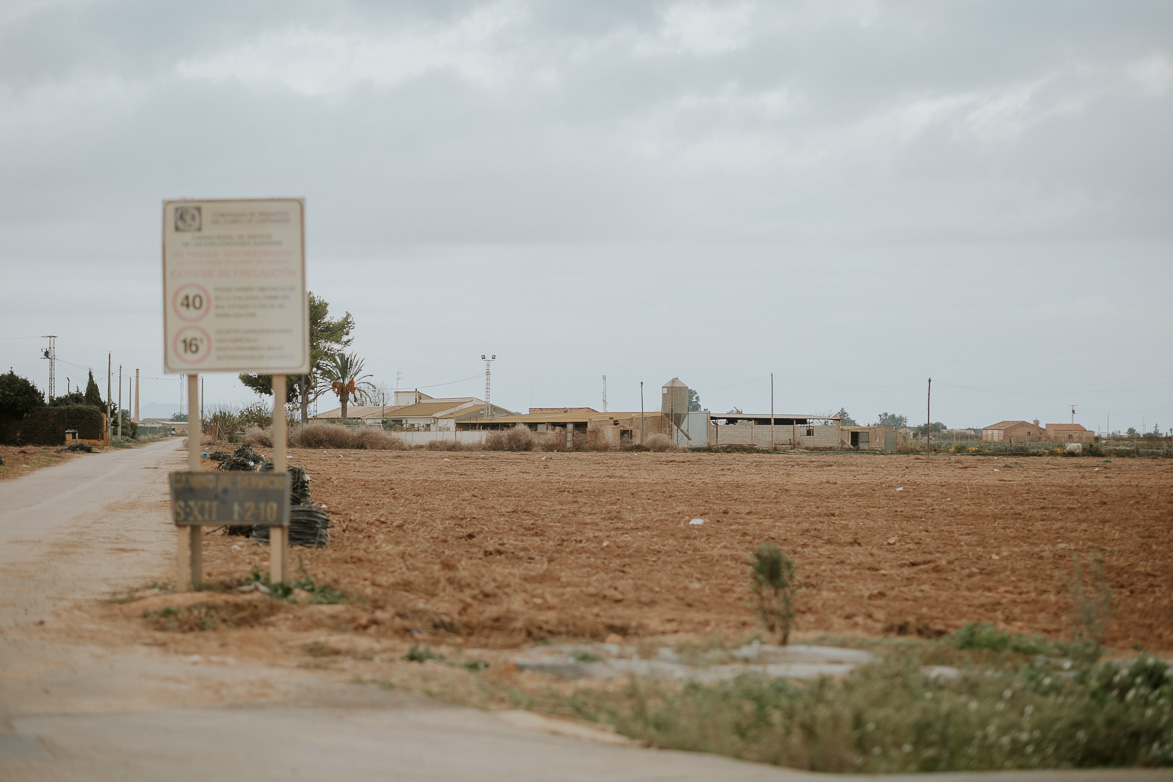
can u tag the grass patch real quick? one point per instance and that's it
(207, 616)
(891, 717)
(421, 654)
(982, 636)
(325, 594)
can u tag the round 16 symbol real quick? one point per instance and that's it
(192, 345)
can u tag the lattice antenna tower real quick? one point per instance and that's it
(50, 352)
(604, 393)
(488, 377)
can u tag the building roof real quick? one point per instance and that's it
(786, 419)
(360, 411)
(475, 411)
(572, 416)
(1067, 427)
(434, 409)
(1006, 425)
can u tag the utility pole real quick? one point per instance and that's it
(488, 375)
(929, 423)
(120, 400)
(771, 411)
(50, 352)
(604, 393)
(1073, 413)
(641, 413)
(136, 396)
(109, 422)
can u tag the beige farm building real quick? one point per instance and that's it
(614, 429)
(870, 438)
(417, 412)
(1014, 432)
(1069, 433)
(787, 430)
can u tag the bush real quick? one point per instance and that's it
(446, 445)
(375, 439)
(255, 436)
(660, 443)
(319, 434)
(519, 438)
(227, 421)
(47, 425)
(18, 395)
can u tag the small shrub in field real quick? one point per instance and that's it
(255, 436)
(519, 438)
(553, 440)
(773, 587)
(446, 445)
(374, 439)
(1091, 602)
(318, 434)
(660, 443)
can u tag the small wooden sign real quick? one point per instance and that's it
(257, 499)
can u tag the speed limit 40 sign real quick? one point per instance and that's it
(234, 297)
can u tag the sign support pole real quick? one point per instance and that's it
(189, 553)
(279, 536)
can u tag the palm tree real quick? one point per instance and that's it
(344, 374)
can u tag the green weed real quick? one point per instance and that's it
(773, 587)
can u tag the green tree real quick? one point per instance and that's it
(69, 400)
(845, 419)
(93, 396)
(344, 374)
(892, 421)
(934, 428)
(328, 336)
(694, 400)
(1131, 431)
(18, 395)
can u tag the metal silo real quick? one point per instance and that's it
(674, 401)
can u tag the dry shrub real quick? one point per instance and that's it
(519, 438)
(660, 443)
(319, 434)
(447, 445)
(373, 439)
(256, 436)
(552, 440)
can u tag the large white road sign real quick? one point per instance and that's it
(234, 297)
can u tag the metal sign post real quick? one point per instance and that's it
(234, 300)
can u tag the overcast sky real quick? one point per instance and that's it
(855, 196)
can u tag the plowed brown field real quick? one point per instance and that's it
(502, 549)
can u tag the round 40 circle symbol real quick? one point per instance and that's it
(192, 345)
(191, 302)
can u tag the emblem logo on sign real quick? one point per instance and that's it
(187, 218)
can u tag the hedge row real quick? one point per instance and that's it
(47, 425)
